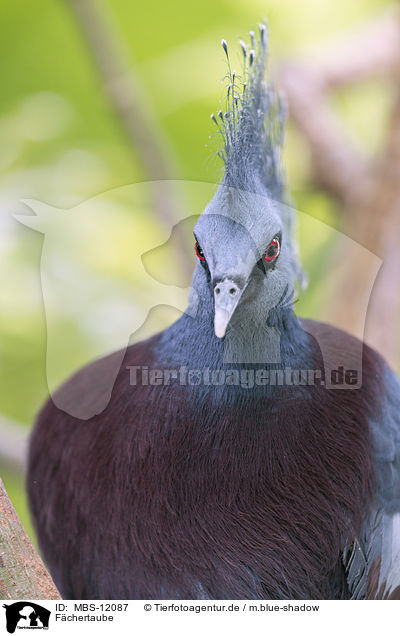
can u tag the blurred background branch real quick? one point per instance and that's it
(367, 187)
(13, 444)
(132, 107)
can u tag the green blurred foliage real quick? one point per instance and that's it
(61, 143)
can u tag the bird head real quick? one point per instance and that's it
(243, 241)
(245, 258)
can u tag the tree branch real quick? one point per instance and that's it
(22, 573)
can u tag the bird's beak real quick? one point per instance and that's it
(227, 294)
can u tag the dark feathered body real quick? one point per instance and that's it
(182, 492)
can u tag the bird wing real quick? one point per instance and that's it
(373, 560)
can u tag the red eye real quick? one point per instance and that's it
(199, 251)
(273, 250)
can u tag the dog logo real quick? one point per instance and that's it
(26, 615)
